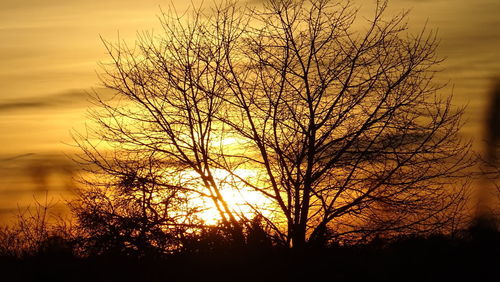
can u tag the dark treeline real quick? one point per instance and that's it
(467, 255)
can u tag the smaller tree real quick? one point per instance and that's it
(131, 213)
(37, 230)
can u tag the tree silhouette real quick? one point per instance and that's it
(131, 214)
(37, 230)
(489, 193)
(340, 123)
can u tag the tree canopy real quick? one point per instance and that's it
(334, 120)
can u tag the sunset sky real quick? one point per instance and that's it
(50, 49)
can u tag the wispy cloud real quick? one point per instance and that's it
(16, 157)
(68, 99)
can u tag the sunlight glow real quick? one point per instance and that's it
(240, 198)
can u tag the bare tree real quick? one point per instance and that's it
(341, 122)
(37, 230)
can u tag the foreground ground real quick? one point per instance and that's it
(409, 259)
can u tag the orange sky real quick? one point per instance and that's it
(49, 51)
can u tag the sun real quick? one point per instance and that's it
(241, 199)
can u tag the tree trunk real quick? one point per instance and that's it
(299, 237)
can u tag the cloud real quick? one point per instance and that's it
(67, 99)
(16, 157)
(70, 98)
(8, 106)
